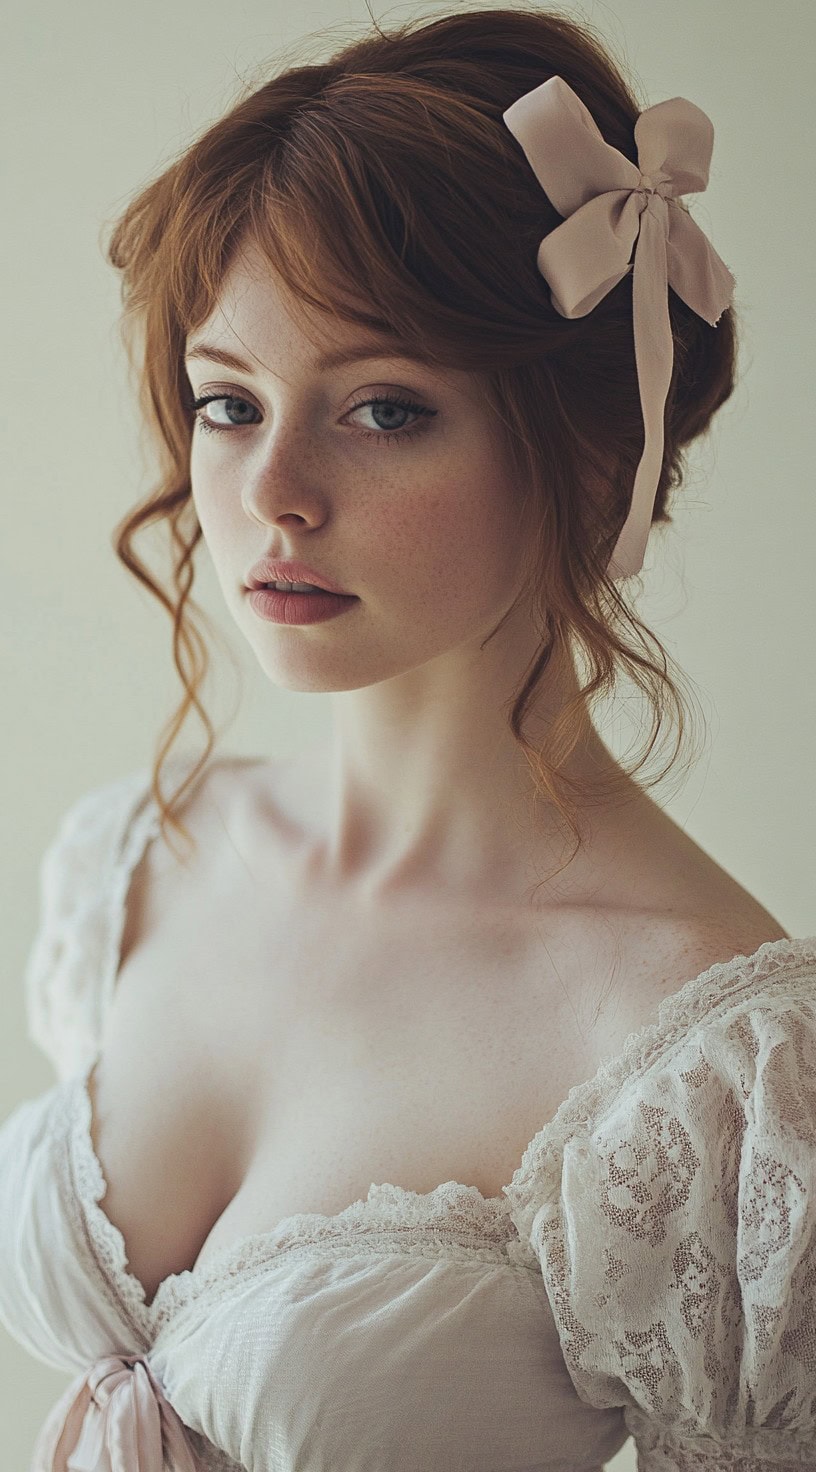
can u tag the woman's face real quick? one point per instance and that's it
(413, 510)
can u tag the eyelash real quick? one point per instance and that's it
(371, 434)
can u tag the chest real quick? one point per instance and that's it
(262, 1062)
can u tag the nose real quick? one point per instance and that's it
(285, 483)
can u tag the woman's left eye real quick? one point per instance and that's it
(385, 433)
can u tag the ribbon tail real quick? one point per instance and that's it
(177, 1445)
(172, 1433)
(61, 1429)
(654, 351)
(132, 1428)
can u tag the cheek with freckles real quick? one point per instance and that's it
(447, 553)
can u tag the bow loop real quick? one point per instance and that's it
(590, 253)
(565, 147)
(115, 1418)
(676, 138)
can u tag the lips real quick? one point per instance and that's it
(283, 587)
(288, 570)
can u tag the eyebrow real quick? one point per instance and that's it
(227, 359)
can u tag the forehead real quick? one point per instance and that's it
(252, 293)
(254, 305)
(257, 319)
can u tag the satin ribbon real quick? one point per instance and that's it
(115, 1418)
(611, 206)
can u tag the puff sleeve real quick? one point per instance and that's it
(83, 876)
(676, 1231)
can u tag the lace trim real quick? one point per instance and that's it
(106, 1242)
(73, 1190)
(303, 1238)
(453, 1222)
(537, 1181)
(661, 1450)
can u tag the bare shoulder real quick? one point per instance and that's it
(706, 940)
(695, 914)
(673, 951)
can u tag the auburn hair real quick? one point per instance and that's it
(385, 189)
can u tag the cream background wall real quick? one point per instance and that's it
(96, 98)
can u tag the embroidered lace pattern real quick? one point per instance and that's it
(689, 1279)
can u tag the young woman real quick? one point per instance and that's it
(445, 1106)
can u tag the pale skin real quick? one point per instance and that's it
(357, 980)
(421, 784)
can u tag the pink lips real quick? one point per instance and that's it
(299, 608)
(289, 570)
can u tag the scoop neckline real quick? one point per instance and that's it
(718, 987)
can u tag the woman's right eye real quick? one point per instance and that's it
(226, 399)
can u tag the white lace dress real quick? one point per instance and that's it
(649, 1271)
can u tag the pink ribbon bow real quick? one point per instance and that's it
(610, 207)
(115, 1418)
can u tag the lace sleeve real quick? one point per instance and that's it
(678, 1245)
(81, 877)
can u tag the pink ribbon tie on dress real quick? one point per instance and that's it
(610, 207)
(115, 1418)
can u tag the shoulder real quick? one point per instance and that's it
(693, 945)
(93, 821)
(668, 951)
(85, 846)
(703, 915)
(698, 913)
